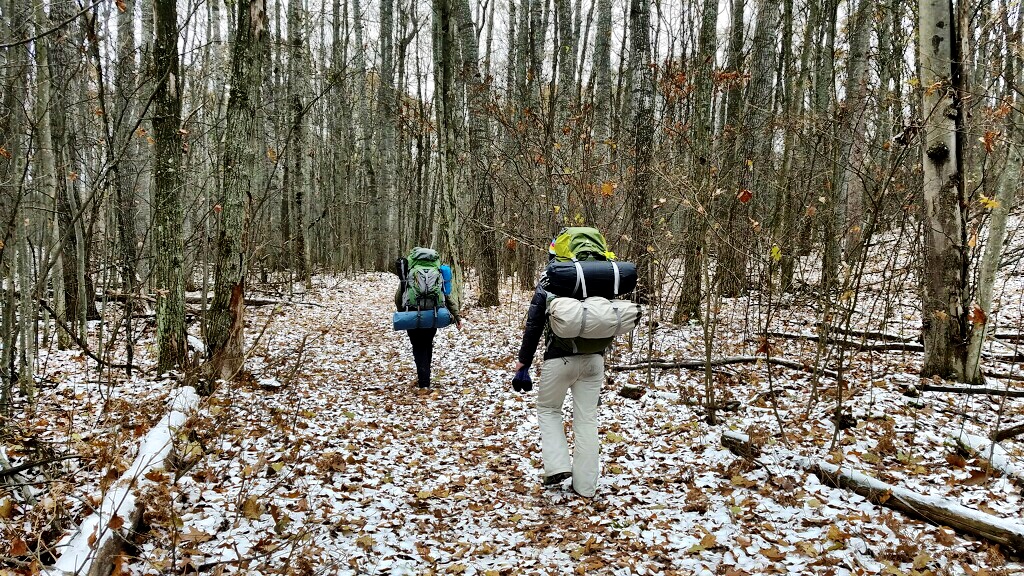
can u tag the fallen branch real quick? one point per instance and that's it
(870, 334)
(856, 346)
(1007, 433)
(189, 299)
(1005, 376)
(5, 472)
(699, 364)
(91, 549)
(1009, 336)
(970, 390)
(930, 508)
(997, 458)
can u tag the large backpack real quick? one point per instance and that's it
(424, 284)
(580, 244)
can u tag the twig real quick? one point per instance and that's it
(22, 467)
(84, 346)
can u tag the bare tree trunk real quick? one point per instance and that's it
(444, 74)
(1008, 183)
(731, 266)
(124, 186)
(847, 221)
(701, 164)
(167, 211)
(944, 271)
(241, 169)
(479, 155)
(298, 145)
(640, 210)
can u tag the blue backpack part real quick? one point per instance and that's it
(446, 275)
(412, 319)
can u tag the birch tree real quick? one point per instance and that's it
(944, 263)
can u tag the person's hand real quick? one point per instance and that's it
(521, 382)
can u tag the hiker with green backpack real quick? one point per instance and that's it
(574, 309)
(423, 305)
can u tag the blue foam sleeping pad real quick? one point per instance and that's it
(422, 319)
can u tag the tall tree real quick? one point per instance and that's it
(640, 210)
(700, 167)
(167, 212)
(944, 270)
(297, 165)
(241, 179)
(481, 190)
(1008, 184)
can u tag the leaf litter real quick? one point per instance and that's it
(330, 461)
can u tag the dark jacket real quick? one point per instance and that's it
(537, 326)
(449, 302)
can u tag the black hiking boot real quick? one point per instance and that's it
(556, 478)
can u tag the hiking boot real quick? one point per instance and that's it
(422, 385)
(573, 488)
(556, 478)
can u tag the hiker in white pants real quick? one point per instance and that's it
(563, 370)
(583, 375)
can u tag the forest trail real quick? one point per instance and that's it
(349, 469)
(330, 461)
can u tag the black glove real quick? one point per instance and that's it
(521, 381)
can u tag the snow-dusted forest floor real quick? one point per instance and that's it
(330, 461)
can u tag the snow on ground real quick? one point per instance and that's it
(329, 460)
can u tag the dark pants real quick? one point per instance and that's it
(422, 340)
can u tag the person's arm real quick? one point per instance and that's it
(535, 320)
(399, 270)
(453, 308)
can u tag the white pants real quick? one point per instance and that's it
(582, 374)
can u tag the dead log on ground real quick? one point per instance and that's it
(852, 345)
(740, 445)
(929, 508)
(1007, 433)
(700, 364)
(99, 539)
(969, 390)
(870, 334)
(997, 458)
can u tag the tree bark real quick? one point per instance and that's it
(241, 168)
(944, 261)
(167, 212)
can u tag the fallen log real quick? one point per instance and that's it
(1007, 433)
(700, 364)
(740, 445)
(190, 298)
(870, 334)
(852, 345)
(92, 548)
(929, 508)
(997, 458)
(970, 390)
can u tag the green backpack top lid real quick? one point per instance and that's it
(580, 243)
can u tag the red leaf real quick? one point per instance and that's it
(745, 195)
(18, 547)
(977, 316)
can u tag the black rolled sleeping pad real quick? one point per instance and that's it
(561, 279)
